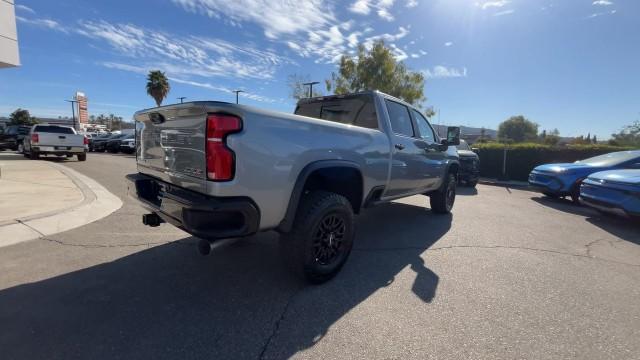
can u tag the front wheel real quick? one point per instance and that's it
(472, 183)
(322, 236)
(442, 201)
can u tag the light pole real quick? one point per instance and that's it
(311, 87)
(73, 111)
(181, 98)
(237, 92)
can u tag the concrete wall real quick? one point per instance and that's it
(8, 35)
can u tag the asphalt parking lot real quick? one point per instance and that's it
(509, 275)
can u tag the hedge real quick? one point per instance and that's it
(522, 158)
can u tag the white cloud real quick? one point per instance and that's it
(411, 3)
(493, 4)
(382, 7)
(25, 8)
(275, 17)
(603, 3)
(506, 12)
(595, 15)
(210, 86)
(441, 72)
(45, 23)
(183, 56)
(448, 43)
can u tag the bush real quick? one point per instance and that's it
(523, 157)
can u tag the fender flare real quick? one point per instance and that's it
(296, 194)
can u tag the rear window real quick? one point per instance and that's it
(357, 110)
(53, 129)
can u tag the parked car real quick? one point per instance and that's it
(128, 145)
(113, 145)
(560, 180)
(55, 140)
(99, 144)
(12, 137)
(469, 164)
(615, 191)
(220, 170)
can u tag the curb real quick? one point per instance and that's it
(98, 203)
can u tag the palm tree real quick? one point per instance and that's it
(157, 86)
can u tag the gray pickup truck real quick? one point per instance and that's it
(220, 170)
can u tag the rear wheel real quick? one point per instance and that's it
(322, 236)
(34, 155)
(442, 201)
(82, 157)
(472, 183)
(551, 195)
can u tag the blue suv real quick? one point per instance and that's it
(559, 180)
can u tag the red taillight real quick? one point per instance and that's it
(86, 140)
(35, 138)
(220, 159)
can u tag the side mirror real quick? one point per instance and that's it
(453, 135)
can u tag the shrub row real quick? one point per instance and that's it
(522, 158)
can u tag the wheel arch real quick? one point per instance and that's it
(338, 176)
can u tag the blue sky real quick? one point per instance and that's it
(566, 64)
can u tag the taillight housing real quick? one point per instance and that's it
(35, 138)
(221, 161)
(86, 140)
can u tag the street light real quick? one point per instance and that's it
(311, 87)
(237, 92)
(73, 111)
(181, 98)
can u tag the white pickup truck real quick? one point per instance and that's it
(55, 140)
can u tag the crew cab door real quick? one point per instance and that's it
(410, 166)
(435, 158)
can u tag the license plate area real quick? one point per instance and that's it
(62, 147)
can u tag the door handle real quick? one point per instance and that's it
(399, 146)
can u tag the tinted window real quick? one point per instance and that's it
(53, 129)
(23, 130)
(357, 110)
(12, 130)
(426, 132)
(400, 119)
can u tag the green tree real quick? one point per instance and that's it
(377, 69)
(157, 86)
(628, 136)
(551, 138)
(22, 117)
(517, 129)
(297, 88)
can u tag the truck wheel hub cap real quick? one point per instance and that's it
(327, 241)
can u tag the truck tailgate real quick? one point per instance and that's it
(53, 139)
(171, 145)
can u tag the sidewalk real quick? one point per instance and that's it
(41, 198)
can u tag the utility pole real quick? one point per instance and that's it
(73, 111)
(181, 98)
(310, 84)
(237, 92)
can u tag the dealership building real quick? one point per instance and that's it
(9, 55)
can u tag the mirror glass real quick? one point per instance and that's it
(453, 135)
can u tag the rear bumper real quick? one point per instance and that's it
(58, 149)
(200, 215)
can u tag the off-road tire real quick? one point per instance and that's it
(82, 157)
(442, 201)
(308, 238)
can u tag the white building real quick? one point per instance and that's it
(8, 35)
